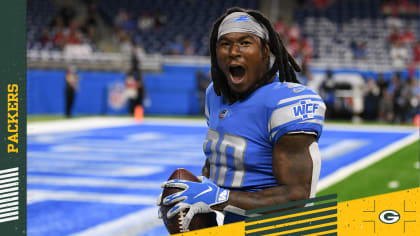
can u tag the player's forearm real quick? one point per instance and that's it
(267, 197)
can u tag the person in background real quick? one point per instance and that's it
(371, 99)
(72, 85)
(203, 82)
(327, 92)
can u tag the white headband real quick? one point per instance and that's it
(241, 22)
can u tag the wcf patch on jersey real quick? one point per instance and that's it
(305, 110)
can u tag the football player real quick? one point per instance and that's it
(261, 147)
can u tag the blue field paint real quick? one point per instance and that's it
(130, 162)
(64, 218)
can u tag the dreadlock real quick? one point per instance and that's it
(284, 62)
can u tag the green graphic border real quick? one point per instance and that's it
(13, 72)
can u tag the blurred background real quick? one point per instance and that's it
(96, 68)
(370, 50)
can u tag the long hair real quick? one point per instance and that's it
(284, 63)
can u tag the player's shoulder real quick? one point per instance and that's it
(210, 90)
(278, 93)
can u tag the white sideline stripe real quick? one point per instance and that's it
(369, 128)
(89, 182)
(121, 159)
(9, 170)
(43, 195)
(346, 171)
(79, 124)
(129, 225)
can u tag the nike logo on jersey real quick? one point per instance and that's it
(222, 114)
(298, 89)
(204, 192)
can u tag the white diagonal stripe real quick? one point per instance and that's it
(9, 209)
(9, 190)
(8, 204)
(9, 199)
(9, 185)
(2, 181)
(9, 214)
(9, 170)
(9, 219)
(9, 175)
(8, 195)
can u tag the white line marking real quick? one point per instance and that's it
(369, 128)
(89, 182)
(393, 184)
(167, 160)
(44, 195)
(341, 148)
(97, 169)
(78, 124)
(129, 225)
(346, 171)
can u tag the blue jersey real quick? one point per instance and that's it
(241, 136)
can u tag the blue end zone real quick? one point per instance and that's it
(123, 168)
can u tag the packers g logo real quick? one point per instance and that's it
(389, 217)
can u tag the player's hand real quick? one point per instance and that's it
(198, 197)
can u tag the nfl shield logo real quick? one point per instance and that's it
(222, 114)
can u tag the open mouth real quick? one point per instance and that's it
(237, 73)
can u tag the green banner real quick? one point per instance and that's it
(13, 118)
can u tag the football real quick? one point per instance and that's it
(173, 225)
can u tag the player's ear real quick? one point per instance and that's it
(266, 50)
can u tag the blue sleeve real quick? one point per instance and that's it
(301, 111)
(209, 91)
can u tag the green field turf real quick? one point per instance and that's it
(401, 166)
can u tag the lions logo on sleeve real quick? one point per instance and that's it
(302, 111)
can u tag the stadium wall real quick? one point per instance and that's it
(172, 92)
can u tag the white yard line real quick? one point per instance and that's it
(80, 124)
(346, 171)
(129, 225)
(93, 182)
(56, 195)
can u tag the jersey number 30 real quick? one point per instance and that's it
(219, 165)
